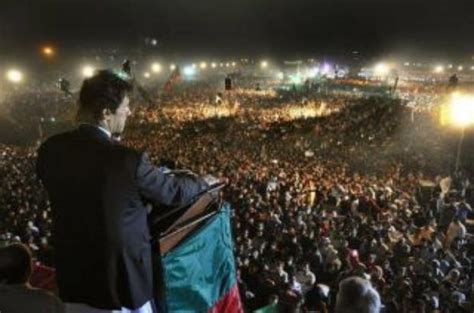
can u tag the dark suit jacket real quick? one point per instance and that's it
(100, 233)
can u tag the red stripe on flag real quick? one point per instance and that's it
(230, 303)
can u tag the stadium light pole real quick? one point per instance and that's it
(458, 154)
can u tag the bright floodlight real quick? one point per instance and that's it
(296, 79)
(213, 65)
(234, 64)
(88, 71)
(381, 69)
(203, 65)
(326, 69)
(146, 75)
(264, 64)
(227, 64)
(460, 68)
(462, 110)
(439, 69)
(15, 76)
(172, 67)
(48, 51)
(189, 71)
(156, 67)
(312, 73)
(281, 75)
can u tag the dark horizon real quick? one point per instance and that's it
(440, 29)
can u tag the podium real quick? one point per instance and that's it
(170, 227)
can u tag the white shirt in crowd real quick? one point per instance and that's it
(306, 279)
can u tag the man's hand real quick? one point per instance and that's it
(212, 180)
(224, 180)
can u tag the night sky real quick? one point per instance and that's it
(244, 26)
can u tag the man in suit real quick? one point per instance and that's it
(97, 190)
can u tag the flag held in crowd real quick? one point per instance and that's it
(175, 77)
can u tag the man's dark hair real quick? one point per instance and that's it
(15, 264)
(105, 90)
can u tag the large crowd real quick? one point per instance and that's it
(322, 187)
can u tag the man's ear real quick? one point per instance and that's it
(106, 113)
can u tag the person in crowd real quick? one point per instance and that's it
(306, 278)
(16, 294)
(357, 295)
